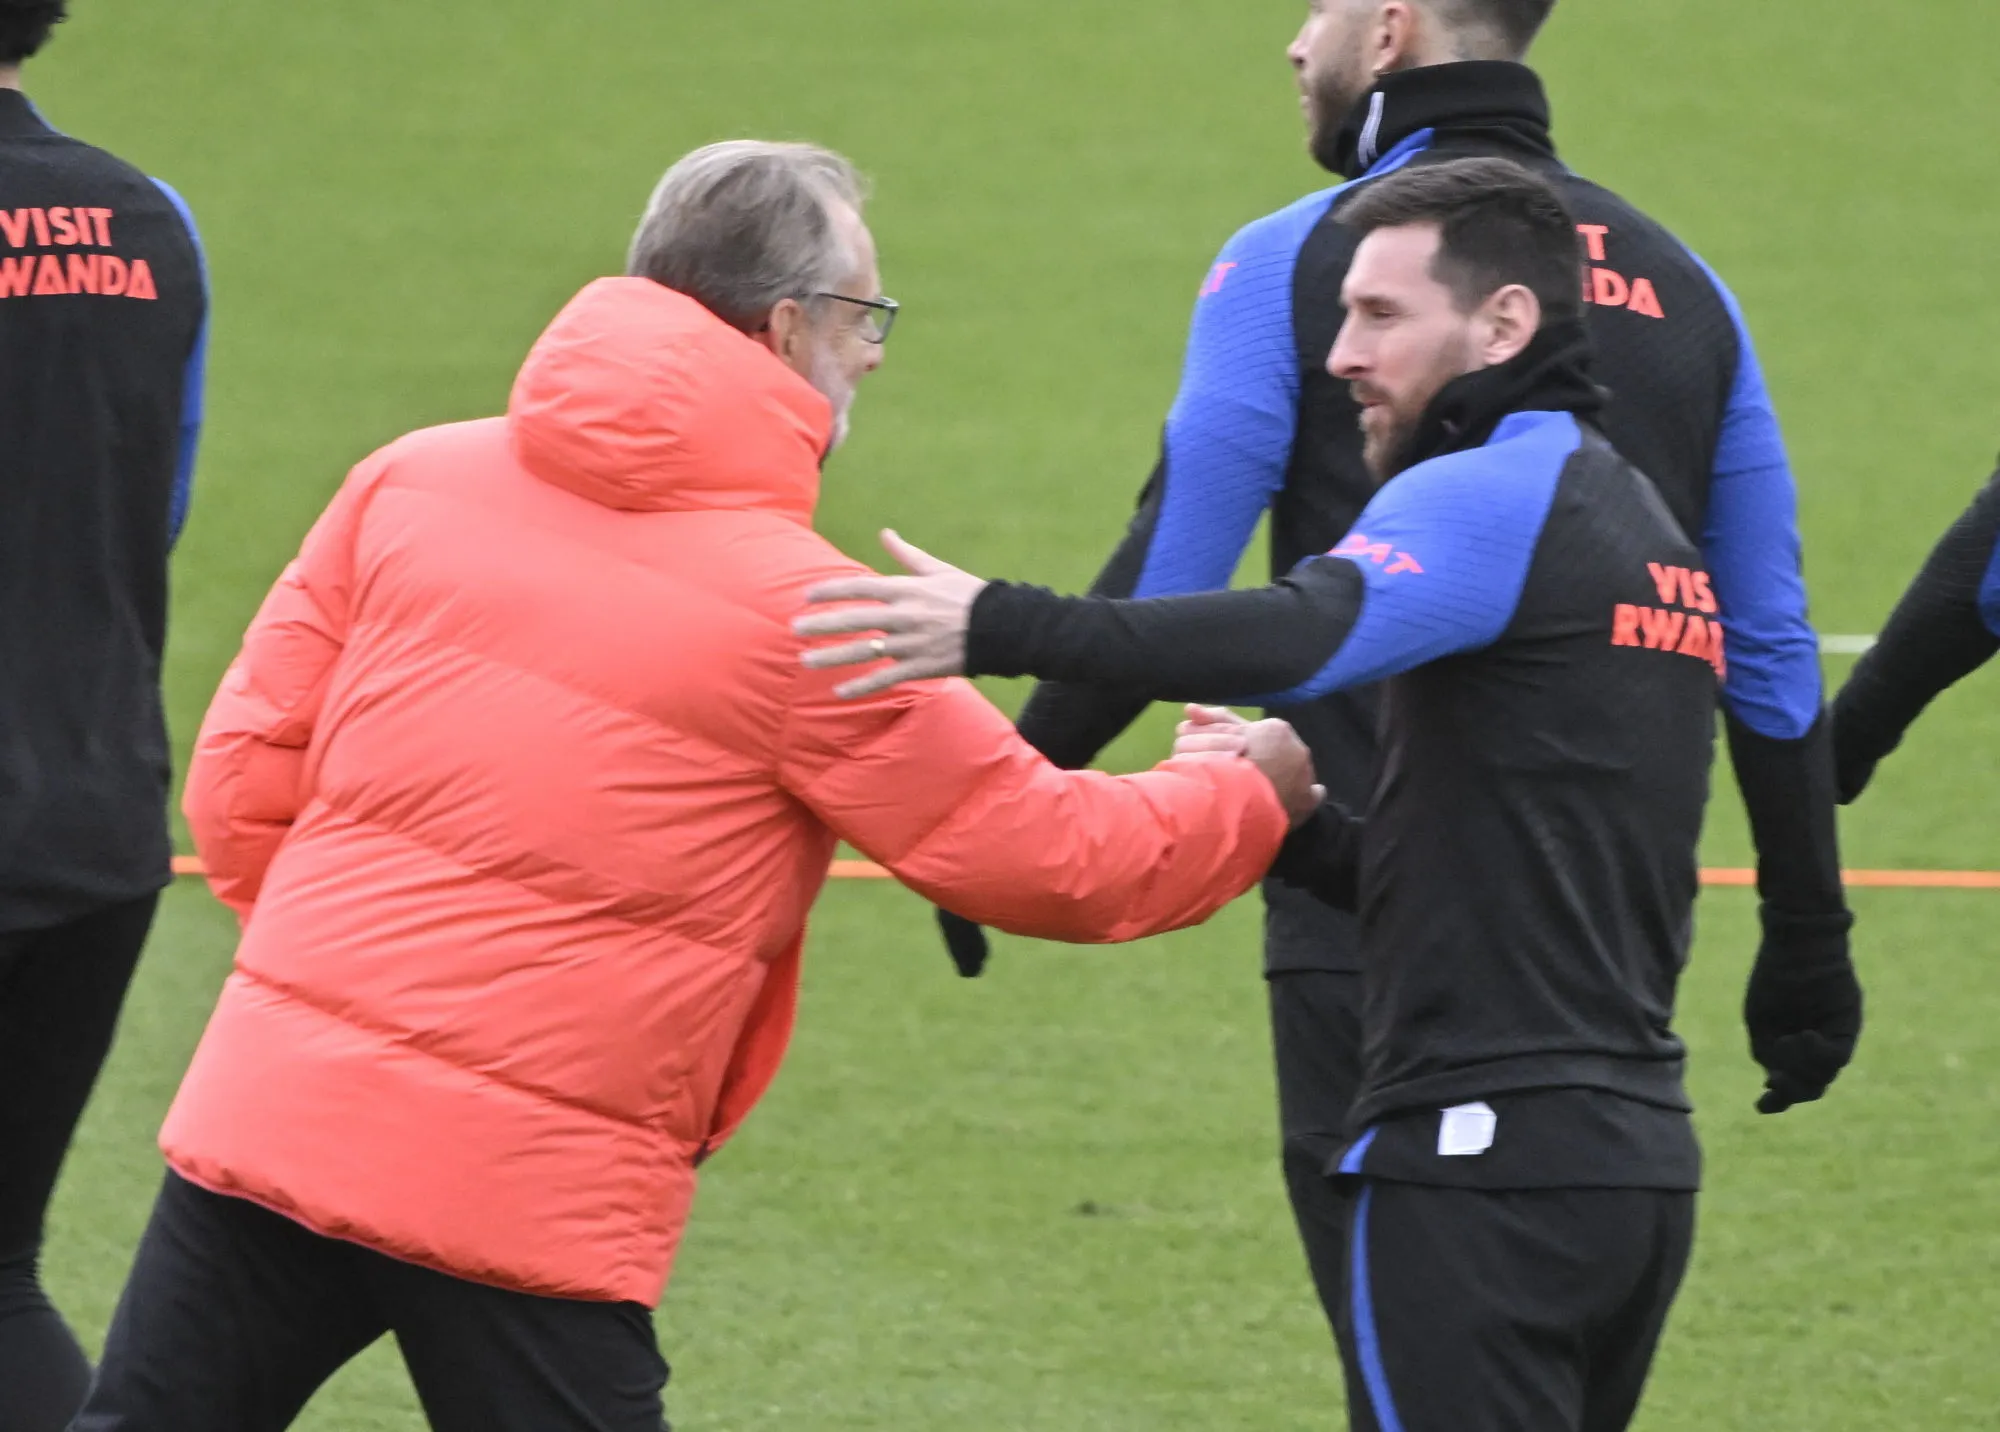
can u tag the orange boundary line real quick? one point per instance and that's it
(1859, 879)
(1882, 879)
(859, 870)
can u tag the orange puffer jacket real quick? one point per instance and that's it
(524, 796)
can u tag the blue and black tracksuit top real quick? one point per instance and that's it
(1260, 426)
(1549, 646)
(103, 316)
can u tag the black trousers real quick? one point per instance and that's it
(60, 992)
(234, 1316)
(1316, 1042)
(1477, 1311)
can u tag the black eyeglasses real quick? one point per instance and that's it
(880, 318)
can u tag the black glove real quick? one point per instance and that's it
(1803, 1007)
(1322, 856)
(966, 942)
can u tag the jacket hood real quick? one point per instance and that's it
(639, 398)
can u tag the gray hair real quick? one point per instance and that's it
(741, 225)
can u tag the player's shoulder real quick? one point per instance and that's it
(79, 158)
(1479, 512)
(771, 562)
(1260, 264)
(1513, 474)
(182, 209)
(1630, 245)
(1283, 231)
(1522, 442)
(86, 178)
(1593, 202)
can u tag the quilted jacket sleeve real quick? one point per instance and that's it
(245, 785)
(933, 782)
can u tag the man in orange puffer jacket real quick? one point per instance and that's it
(523, 795)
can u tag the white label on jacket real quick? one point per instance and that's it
(1466, 1130)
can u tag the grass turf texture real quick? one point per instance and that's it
(1049, 1200)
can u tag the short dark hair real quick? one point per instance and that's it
(1514, 23)
(1500, 224)
(25, 26)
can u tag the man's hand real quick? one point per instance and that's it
(921, 618)
(1803, 1007)
(1272, 746)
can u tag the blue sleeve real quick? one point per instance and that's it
(1752, 547)
(1229, 435)
(193, 383)
(1443, 552)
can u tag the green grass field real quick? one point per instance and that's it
(1049, 1200)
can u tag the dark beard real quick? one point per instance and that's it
(1391, 455)
(1333, 100)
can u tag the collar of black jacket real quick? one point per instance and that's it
(1550, 375)
(17, 116)
(1496, 103)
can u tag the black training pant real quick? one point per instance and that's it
(234, 1316)
(1316, 1042)
(1477, 1311)
(60, 992)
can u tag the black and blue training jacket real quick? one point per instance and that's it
(103, 322)
(1549, 646)
(1260, 426)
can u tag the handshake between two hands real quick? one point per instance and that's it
(1272, 746)
(1803, 1006)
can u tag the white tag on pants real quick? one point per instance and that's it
(1466, 1130)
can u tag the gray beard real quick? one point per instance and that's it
(837, 393)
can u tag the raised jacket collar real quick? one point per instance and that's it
(1495, 102)
(1552, 374)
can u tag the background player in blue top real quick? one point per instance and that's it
(1259, 426)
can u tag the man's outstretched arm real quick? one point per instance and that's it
(934, 783)
(1436, 566)
(1211, 646)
